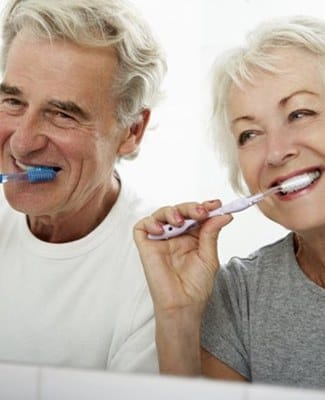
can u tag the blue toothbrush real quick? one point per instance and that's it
(32, 175)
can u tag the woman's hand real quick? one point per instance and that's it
(180, 271)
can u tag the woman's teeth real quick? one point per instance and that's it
(299, 182)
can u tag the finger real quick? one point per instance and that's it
(145, 226)
(212, 204)
(175, 215)
(208, 238)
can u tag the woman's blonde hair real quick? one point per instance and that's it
(238, 65)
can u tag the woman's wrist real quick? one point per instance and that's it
(178, 341)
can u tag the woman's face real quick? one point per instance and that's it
(279, 125)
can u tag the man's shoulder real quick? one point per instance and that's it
(132, 204)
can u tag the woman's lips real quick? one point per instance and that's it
(299, 182)
(281, 180)
(299, 190)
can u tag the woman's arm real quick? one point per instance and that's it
(180, 274)
(212, 367)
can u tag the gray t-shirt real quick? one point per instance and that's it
(266, 319)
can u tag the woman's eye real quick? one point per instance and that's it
(298, 114)
(245, 136)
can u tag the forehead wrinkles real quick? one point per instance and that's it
(71, 67)
(62, 54)
(269, 89)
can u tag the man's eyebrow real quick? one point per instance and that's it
(70, 107)
(12, 90)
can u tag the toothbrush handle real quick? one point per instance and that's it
(240, 204)
(21, 176)
(172, 231)
(237, 205)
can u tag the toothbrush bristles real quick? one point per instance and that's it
(41, 174)
(298, 182)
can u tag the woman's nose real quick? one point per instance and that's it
(27, 136)
(280, 147)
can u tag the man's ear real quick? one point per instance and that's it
(134, 135)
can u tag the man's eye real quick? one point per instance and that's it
(245, 136)
(299, 114)
(11, 105)
(63, 115)
(61, 119)
(11, 102)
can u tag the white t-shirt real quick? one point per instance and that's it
(83, 304)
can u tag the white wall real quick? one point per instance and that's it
(177, 163)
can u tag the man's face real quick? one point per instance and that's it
(57, 109)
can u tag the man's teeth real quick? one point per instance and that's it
(28, 167)
(23, 166)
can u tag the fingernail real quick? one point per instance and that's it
(178, 217)
(159, 227)
(201, 210)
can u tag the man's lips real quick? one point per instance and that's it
(26, 167)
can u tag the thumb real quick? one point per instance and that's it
(209, 234)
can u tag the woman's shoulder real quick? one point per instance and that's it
(271, 255)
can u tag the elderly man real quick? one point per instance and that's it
(79, 80)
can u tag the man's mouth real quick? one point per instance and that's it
(26, 167)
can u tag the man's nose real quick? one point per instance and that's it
(281, 147)
(28, 135)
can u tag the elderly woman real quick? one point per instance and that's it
(260, 318)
